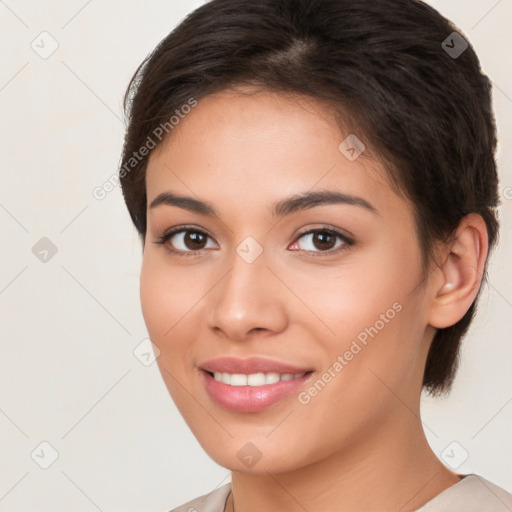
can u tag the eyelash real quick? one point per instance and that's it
(166, 236)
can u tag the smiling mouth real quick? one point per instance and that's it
(252, 392)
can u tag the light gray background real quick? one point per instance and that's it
(68, 375)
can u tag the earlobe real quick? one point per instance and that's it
(457, 285)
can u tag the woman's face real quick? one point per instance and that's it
(351, 309)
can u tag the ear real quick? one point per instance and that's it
(458, 279)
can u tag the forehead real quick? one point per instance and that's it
(256, 147)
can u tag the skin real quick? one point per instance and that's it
(359, 443)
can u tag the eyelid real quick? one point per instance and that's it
(343, 233)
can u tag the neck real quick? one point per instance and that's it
(395, 471)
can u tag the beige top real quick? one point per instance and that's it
(472, 494)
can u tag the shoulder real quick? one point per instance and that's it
(472, 494)
(211, 502)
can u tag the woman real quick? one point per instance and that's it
(314, 185)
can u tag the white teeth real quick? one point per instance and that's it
(272, 378)
(254, 379)
(238, 379)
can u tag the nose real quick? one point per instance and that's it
(248, 301)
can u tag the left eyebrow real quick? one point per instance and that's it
(286, 206)
(308, 200)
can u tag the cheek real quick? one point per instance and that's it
(162, 304)
(153, 299)
(170, 300)
(166, 296)
(376, 322)
(352, 301)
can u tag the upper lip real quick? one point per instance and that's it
(250, 365)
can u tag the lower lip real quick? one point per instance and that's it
(251, 398)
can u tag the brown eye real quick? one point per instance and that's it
(194, 240)
(323, 241)
(184, 241)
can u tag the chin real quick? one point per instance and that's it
(255, 457)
